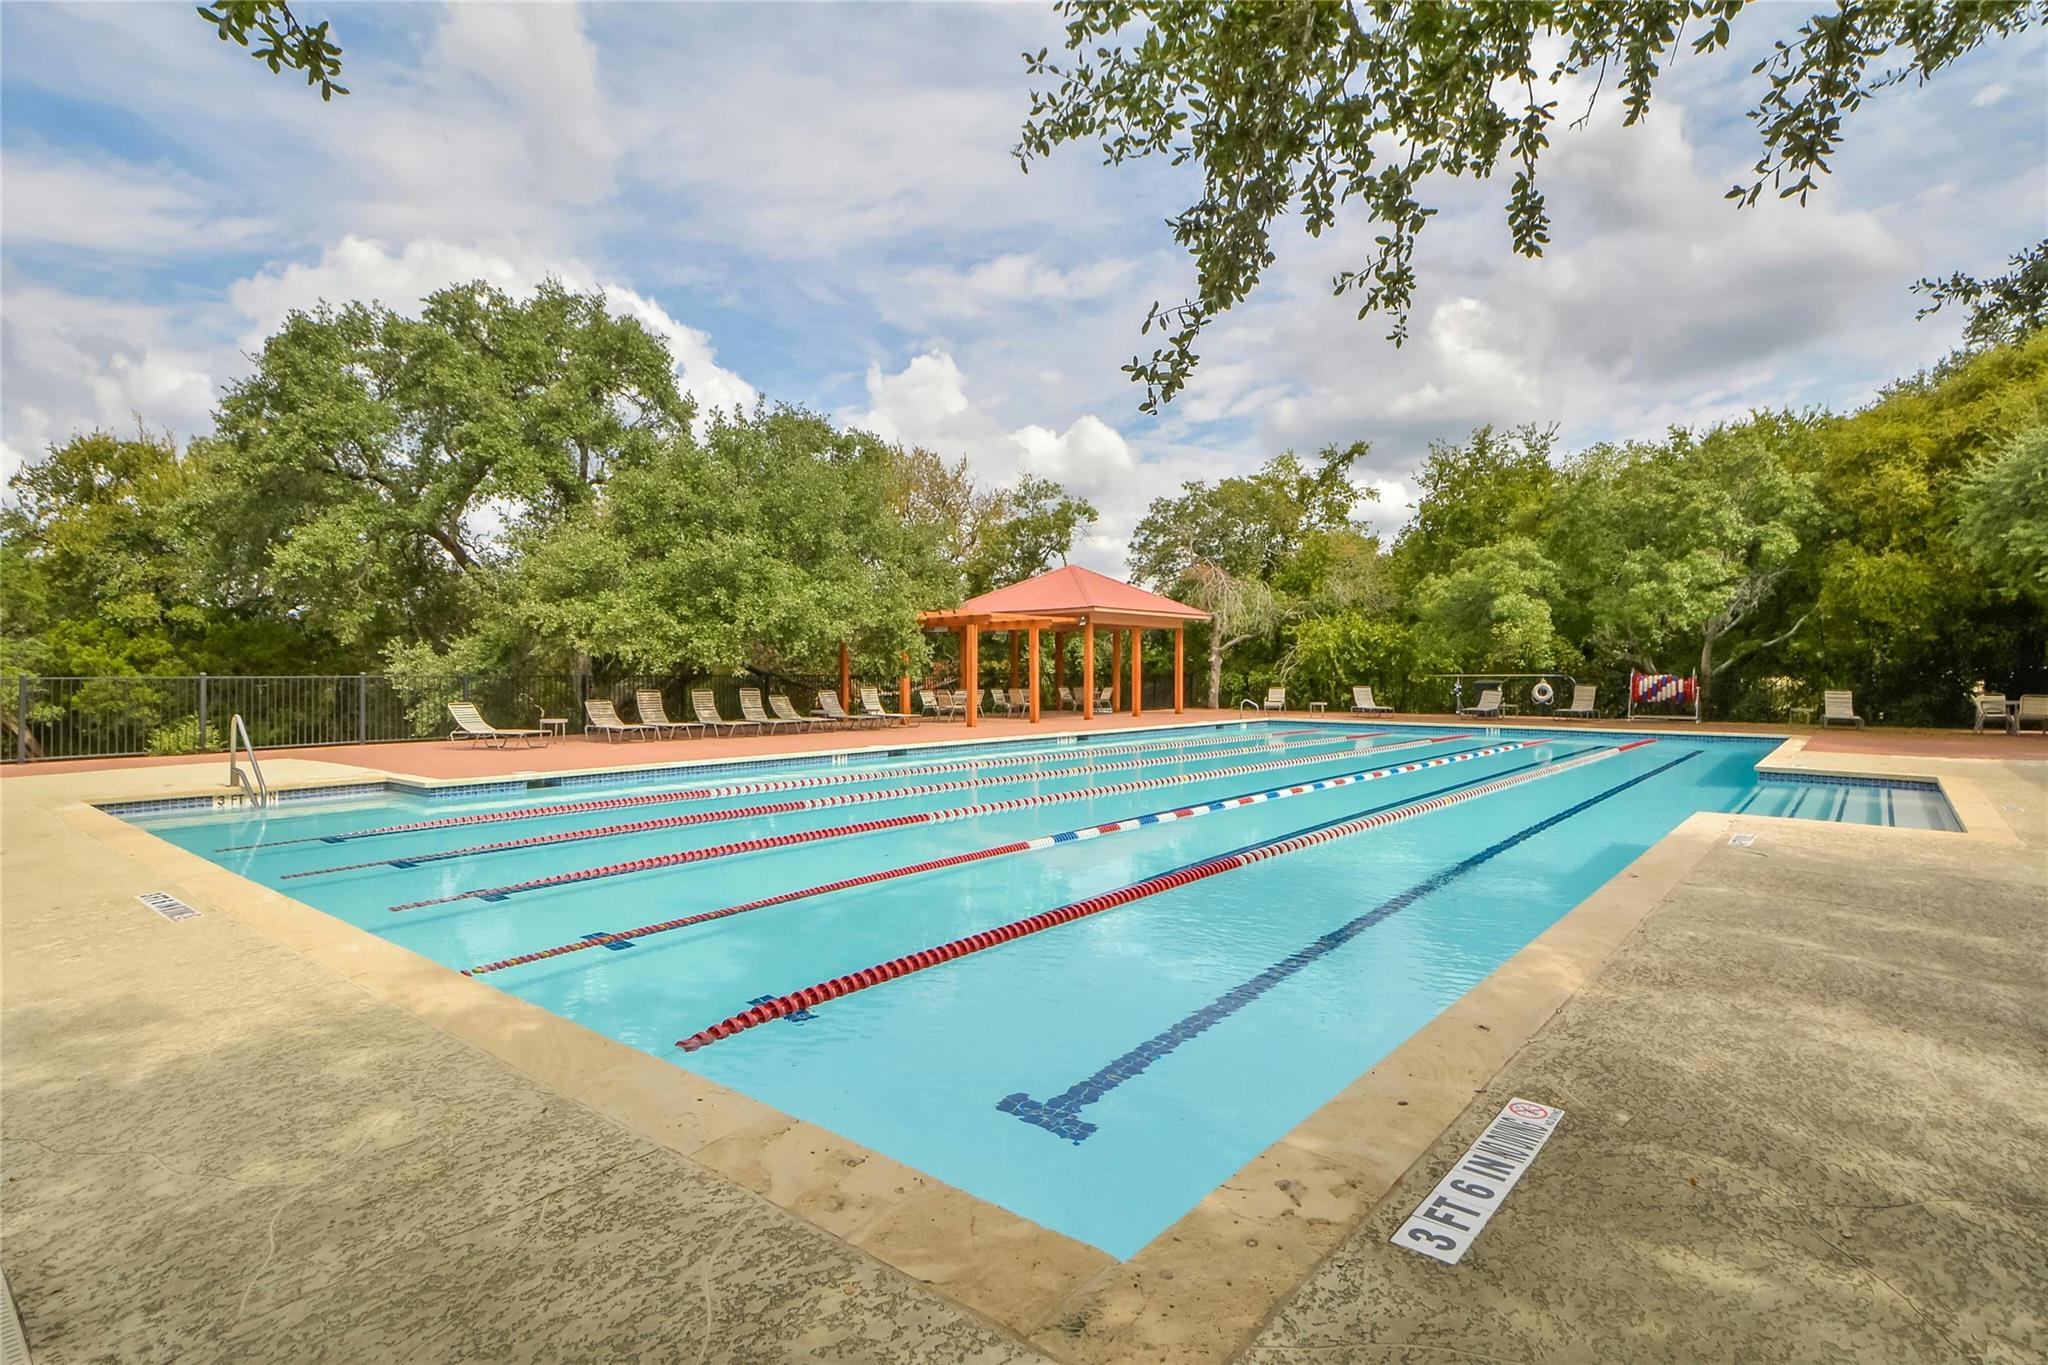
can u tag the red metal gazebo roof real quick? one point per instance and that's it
(1072, 592)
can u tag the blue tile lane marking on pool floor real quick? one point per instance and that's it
(1237, 858)
(1061, 1115)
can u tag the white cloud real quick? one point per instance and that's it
(111, 206)
(74, 363)
(1990, 95)
(1016, 278)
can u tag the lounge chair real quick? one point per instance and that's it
(1839, 706)
(2033, 710)
(830, 709)
(1990, 706)
(1487, 705)
(1582, 701)
(934, 705)
(1276, 699)
(605, 719)
(654, 711)
(1067, 702)
(756, 715)
(470, 724)
(871, 706)
(1104, 700)
(1361, 700)
(785, 710)
(706, 707)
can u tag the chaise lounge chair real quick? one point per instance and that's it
(757, 715)
(871, 707)
(604, 718)
(829, 708)
(785, 710)
(706, 707)
(654, 711)
(1839, 706)
(1487, 705)
(2033, 710)
(1361, 701)
(470, 724)
(1582, 701)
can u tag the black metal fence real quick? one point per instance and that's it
(107, 717)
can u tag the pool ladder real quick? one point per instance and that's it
(251, 781)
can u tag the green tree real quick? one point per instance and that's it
(284, 44)
(1683, 544)
(1295, 107)
(2002, 513)
(759, 549)
(1251, 525)
(1023, 531)
(373, 461)
(1492, 609)
(1240, 609)
(1474, 493)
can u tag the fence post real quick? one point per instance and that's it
(21, 718)
(362, 708)
(202, 713)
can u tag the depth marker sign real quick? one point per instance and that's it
(167, 905)
(1444, 1225)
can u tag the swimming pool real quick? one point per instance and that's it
(1084, 980)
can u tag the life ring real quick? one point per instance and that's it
(1542, 694)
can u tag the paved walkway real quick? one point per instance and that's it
(1806, 1120)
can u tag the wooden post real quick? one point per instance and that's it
(1088, 671)
(1116, 670)
(1034, 675)
(970, 670)
(845, 679)
(1137, 674)
(1014, 642)
(903, 704)
(1059, 665)
(1180, 675)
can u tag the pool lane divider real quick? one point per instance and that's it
(1061, 1115)
(625, 937)
(937, 817)
(806, 803)
(1343, 826)
(1269, 738)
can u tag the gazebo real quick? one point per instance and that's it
(1068, 601)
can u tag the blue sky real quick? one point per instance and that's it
(819, 204)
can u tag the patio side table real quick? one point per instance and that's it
(555, 727)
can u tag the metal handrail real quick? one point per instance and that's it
(258, 789)
(1249, 704)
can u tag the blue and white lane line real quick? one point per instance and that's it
(1061, 1115)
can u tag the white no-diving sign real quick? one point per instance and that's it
(1445, 1223)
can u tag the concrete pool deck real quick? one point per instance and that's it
(229, 1138)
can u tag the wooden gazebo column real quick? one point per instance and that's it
(1180, 673)
(1034, 675)
(845, 678)
(903, 704)
(1059, 664)
(1014, 642)
(1137, 673)
(1116, 670)
(1088, 670)
(970, 670)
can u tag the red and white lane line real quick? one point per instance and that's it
(805, 803)
(811, 996)
(1237, 744)
(1045, 841)
(696, 855)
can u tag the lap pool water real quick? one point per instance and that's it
(1221, 927)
